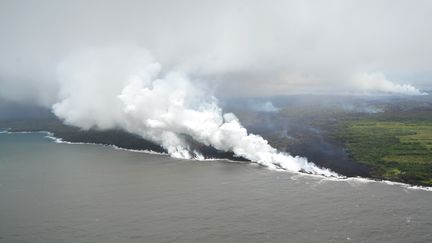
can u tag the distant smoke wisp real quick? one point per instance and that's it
(125, 88)
(262, 106)
(378, 83)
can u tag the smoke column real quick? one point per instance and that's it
(378, 83)
(123, 87)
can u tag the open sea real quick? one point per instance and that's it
(51, 192)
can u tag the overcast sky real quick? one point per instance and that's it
(240, 47)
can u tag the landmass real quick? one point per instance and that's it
(397, 148)
(386, 138)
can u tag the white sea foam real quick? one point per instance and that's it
(8, 131)
(361, 180)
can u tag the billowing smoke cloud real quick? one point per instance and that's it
(123, 87)
(376, 83)
(240, 48)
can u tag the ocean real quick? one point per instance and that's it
(53, 192)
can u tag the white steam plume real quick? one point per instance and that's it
(378, 83)
(124, 88)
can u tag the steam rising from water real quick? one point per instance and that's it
(124, 88)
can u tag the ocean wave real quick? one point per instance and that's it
(363, 180)
(7, 131)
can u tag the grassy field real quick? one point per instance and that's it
(397, 150)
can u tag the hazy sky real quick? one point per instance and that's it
(239, 47)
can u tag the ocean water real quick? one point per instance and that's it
(53, 192)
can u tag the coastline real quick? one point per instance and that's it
(350, 180)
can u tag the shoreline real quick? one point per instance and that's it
(49, 135)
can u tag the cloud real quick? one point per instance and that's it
(240, 48)
(376, 83)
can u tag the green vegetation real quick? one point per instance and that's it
(396, 150)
